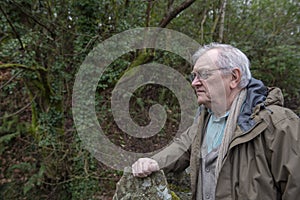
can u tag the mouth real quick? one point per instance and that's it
(200, 92)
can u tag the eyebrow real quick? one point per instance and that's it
(204, 69)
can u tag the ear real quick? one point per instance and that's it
(235, 78)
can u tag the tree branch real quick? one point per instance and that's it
(173, 13)
(34, 19)
(202, 25)
(16, 65)
(148, 12)
(13, 28)
(170, 4)
(214, 27)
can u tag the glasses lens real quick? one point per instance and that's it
(192, 76)
(204, 75)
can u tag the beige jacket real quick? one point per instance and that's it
(261, 163)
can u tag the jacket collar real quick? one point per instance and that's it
(256, 95)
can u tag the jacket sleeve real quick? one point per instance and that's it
(176, 156)
(285, 155)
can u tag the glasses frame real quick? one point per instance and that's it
(203, 75)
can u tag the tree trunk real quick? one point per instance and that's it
(222, 14)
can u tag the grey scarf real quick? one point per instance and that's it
(230, 128)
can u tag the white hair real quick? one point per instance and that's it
(229, 57)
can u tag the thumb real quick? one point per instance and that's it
(154, 166)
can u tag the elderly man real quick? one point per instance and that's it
(244, 144)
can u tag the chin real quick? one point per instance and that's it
(202, 101)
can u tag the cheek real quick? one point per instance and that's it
(217, 89)
(211, 88)
(206, 87)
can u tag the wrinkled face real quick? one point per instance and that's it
(211, 85)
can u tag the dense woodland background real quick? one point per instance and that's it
(44, 42)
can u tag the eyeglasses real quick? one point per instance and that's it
(204, 74)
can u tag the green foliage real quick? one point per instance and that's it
(83, 188)
(279, 67)
(34, 180)
(10, 128)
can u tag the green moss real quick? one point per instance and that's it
(178, 188)
(174, 196)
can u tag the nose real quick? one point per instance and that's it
(196, 82)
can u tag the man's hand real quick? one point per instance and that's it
(144, 167)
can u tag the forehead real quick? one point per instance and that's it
(207, 60)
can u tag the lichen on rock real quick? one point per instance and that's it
(153, 187)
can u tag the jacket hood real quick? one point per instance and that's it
(275, 97)
(257, 94)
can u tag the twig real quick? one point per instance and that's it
(12, 78)
(21, 110)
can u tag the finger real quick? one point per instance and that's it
(144, 167)
(139, 168)
(149, 166)
(135, 168)
(153, 167)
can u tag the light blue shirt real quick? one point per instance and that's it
(215, 131)
(210, 149)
